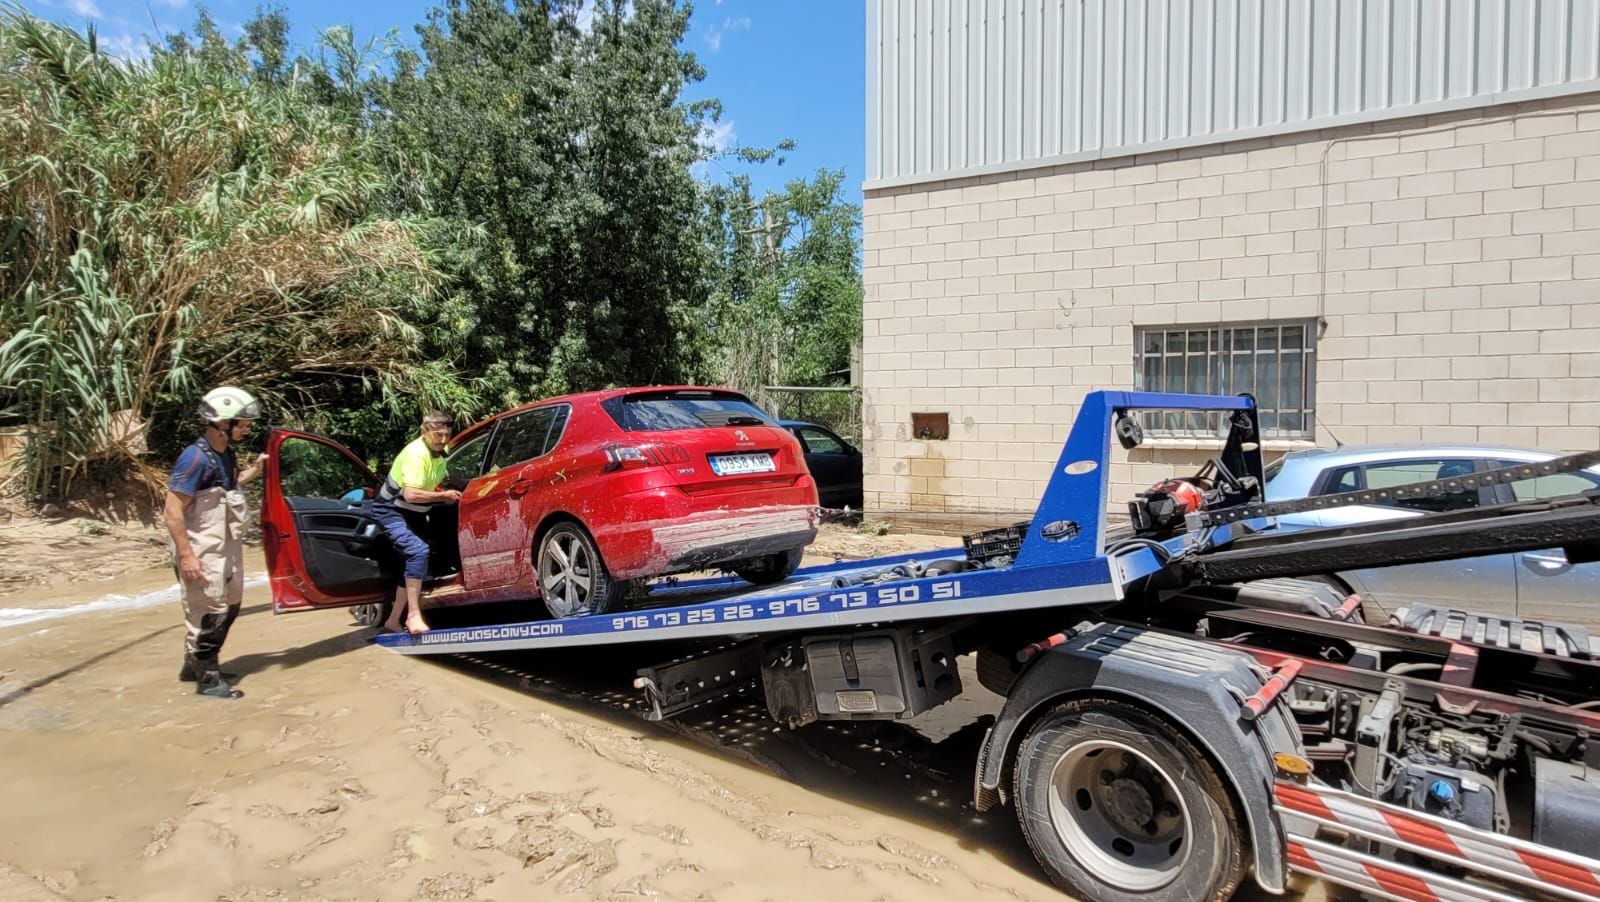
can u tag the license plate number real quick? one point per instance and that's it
(741, 464)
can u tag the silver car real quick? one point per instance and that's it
(1538, 585)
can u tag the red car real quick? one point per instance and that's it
(567, 500)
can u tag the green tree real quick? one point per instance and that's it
(561, 149)
(191, 219)
(787, 301)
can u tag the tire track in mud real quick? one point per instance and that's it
(892, 767)
(920, 773)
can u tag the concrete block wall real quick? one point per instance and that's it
(1454, 258)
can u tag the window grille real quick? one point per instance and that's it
(1275, 361)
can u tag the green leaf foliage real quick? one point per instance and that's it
(191, 219)
(555, 136)
(515, 208)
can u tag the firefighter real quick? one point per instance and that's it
(205, 514)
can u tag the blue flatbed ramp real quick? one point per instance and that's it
(1063, 561)
(808, 600)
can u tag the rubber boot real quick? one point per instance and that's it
(188, 673)
(214, 632)
(211, 683)
(207, 644)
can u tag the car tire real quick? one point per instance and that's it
(571, 576)
(1118, 805)
(374, 614)
(769, 568)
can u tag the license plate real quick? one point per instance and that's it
(742, 464)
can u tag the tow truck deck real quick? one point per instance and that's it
(1414, 761)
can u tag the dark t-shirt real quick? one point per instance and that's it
(202, 467)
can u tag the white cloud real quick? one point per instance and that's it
(717, 32)
(716, 137)
(85, 8)
(124, 46)
(175, 4)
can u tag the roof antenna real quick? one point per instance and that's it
(1336, 443)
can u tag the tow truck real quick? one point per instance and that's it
(1183, 706)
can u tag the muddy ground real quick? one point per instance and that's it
(348, 772)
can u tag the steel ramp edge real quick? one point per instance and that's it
(806, 606)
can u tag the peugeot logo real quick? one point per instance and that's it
(740, 435)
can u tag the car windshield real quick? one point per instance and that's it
(684, 410)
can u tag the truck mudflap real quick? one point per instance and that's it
(1540, 869)
(1199, 688)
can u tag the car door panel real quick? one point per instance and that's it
(323, 546)
(1486, 584)
(1549, 587)
(343, 548)
(502, 508)
(835, 467)
(464, 466)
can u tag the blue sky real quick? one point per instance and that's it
(791, 69)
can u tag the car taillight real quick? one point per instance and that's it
(644, 454)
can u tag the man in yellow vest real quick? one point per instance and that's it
(411, 490)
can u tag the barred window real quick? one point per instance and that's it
(1275, 361)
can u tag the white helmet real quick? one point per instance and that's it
(228, 403)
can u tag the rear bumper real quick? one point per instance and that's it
(670, 532)
(695, 545)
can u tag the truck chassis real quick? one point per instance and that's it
(1185, 703)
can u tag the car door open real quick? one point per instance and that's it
(323, 547)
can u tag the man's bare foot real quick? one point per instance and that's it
(416, 625)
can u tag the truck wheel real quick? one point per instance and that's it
(769, 568)
(573, 580)
(1118, 805)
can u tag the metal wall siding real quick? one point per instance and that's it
(958, 86)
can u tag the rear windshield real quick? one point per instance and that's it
(684, 410)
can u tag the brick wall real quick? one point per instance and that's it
(1455, 258)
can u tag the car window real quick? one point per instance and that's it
(1390, 474)
(465, 463)
(308, 469)
(527, 435)
(1345, 479)
(820, 442)
(1553, 486)
(660, 411)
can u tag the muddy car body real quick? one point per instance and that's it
(567, 500)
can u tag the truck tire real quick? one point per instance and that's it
(1118, 805)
